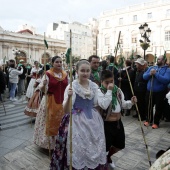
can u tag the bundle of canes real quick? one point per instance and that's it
(143, 135)
(71, 151)
(46, 97)
(150, 102)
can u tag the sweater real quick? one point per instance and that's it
(160, 79)
(13, 75)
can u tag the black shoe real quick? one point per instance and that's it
(167, 120)
(127, 114)
(142, 119)
(135, 116)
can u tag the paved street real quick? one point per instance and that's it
(18, 152)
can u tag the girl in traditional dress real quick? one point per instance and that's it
(55, 81)
(34, 74)
(88, 140)
(32, 107)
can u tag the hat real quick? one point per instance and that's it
(141, 61)
(21, 61)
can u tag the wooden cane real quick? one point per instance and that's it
(46, 100)
(149, 160)
(71, 151)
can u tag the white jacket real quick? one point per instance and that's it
(13, 75)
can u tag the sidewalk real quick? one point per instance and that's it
(17, 150)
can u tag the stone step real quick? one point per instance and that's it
(14, 114)
(11, 115)
(14, 119)
(17, 124)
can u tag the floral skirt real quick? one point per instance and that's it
(42, 135)
(33, 105)
(59, 157)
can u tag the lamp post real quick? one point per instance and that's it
(16, 52)
(145, 34)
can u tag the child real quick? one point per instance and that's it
(88, 140)
(111, 101)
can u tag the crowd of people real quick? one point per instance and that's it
(101, 92)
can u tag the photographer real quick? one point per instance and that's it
(13, 79)
(21, 83)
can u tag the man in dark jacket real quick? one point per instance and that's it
(125, 85)
(21, 83)
(140, 86)
(158, 78)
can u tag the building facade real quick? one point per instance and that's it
(128, 20)
(29, 46)
(82, 39)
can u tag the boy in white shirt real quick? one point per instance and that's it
(111, 101)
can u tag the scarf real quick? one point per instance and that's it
(114, 95)
(113, 65)
(52, 71)
(96, 75)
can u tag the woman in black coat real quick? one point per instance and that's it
(2, 82)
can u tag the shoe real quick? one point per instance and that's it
(135, 116)
(154, 126)
(142, 119)
(167, 120)
(10, 98)
(14, 99)
(146, 124)
(127, 114)
(112, 165)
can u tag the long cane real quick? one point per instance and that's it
(46, 100)
(150, 101)
(139, 119)
(71, 151)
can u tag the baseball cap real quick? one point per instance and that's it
(141, 61)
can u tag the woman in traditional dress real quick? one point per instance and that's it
(55, 81)
(34, 74)
(88, 140)
(32, 107)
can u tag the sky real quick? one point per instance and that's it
(39, 13)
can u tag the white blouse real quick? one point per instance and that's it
(104, 101)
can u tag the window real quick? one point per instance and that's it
(107, 41)
(121, 40)
(168, 12)
(134, 39)
(167, 35)
(107, 23)
(150, 15)
(134, 18)
(120, 21)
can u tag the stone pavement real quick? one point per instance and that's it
(14, 113)
(17, 150)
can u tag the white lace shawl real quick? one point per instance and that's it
(78, 89)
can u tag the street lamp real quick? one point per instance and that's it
(16, 52)
(145, 34)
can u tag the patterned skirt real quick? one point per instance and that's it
(59, 157)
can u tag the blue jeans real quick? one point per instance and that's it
(13, 87)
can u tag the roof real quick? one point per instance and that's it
(26, 31)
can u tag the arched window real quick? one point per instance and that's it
(47, 56)
(21, 56)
